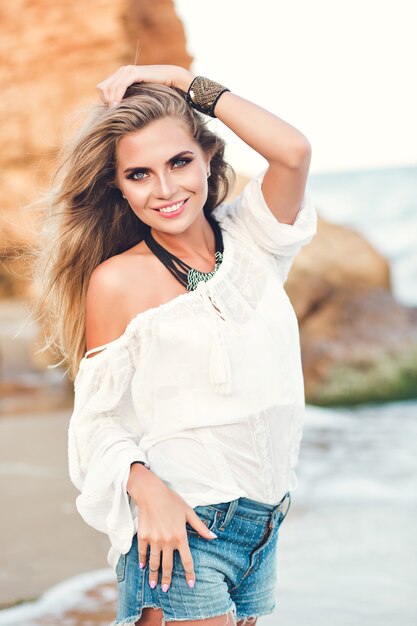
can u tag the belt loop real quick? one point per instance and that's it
(280, 504)
(233, 504)
(289, 504)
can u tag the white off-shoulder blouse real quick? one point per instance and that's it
(207, 388)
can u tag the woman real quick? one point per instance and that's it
(189, 399)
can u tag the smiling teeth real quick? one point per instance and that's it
(174, 207)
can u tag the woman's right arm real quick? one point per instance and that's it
(163, 513)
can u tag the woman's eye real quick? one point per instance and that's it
(182, 161)
(135, 175)
(141, 175)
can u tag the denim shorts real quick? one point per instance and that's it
(235, 572)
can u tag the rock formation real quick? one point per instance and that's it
(54, 57)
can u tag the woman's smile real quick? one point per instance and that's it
(174, 210)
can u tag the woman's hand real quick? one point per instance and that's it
(113, 88)
(162, 515)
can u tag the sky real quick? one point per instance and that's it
(342, 72)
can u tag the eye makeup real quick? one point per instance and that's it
(178, 157)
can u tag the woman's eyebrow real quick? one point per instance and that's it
(180, 154)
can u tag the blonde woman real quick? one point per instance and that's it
(169, 307)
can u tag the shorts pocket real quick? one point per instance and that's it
(121, 568)
(207, 515)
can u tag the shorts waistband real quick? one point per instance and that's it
(252, 508)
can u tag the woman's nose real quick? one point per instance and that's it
(165, 186)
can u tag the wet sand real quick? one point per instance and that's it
(95, 606)
(43, 539)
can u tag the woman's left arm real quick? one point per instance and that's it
(286, 149)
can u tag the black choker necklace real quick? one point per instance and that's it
(184, 273)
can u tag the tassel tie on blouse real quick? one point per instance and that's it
(219, 368)
(219, 364)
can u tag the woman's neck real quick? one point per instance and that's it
(197, 240)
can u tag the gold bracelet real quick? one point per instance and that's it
(203, 94)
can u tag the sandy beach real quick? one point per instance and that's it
(43, 538)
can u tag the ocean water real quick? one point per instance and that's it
(382, 205)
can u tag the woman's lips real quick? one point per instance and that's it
(173, 213)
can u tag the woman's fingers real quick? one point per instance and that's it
(142, 551)
(167, 564)
(131, 74)
(154, 563)
(197, 523)
(125, 77)
(113, 88)
(154, 556)
(187, 562)
(159, 535)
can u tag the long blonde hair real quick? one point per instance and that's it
(88, 221)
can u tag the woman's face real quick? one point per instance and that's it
(162, 165)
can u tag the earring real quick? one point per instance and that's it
(208, 174)
(124, 197)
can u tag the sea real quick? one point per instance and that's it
(347, 550)
(382, 205)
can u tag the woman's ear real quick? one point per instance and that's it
(208, 165)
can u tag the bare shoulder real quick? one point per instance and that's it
(118, 288)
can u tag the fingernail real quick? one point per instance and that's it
(191, 583)
(213, 535)
(114, 104)
(165, 587)
(141, 565)
(152, 584)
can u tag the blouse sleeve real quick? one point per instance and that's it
(103, 440)
(251, 219)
